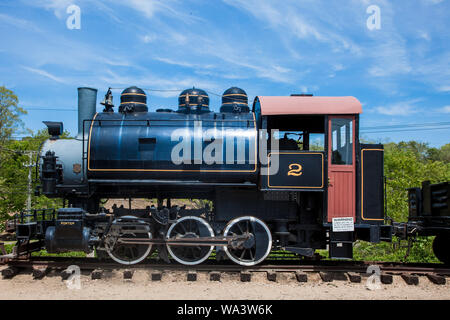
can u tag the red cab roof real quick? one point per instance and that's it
(309, 105)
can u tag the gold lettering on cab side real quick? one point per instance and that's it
(295, 170)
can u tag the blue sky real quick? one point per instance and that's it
(400, 72)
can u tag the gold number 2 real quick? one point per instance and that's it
(295, 170)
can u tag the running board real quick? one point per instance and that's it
(156, 182)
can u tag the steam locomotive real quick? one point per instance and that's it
(289, 174)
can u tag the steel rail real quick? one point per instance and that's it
(317, 266)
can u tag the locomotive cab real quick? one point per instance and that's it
(319, 159)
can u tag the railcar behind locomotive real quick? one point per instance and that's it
(288, 174)
(429, 215)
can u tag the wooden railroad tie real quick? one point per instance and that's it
(354, 277)
(191, 276)
(301, 276)
(156, 275)
(214, 276)
(410, 279)
(436, 279)
(65, 274)
(386, 278)
(10, 272)
(96, 274)
(246, 276)
(326, 276)
(128, 274)
(40, 272)
(272, 276)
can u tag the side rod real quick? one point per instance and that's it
(204, 241)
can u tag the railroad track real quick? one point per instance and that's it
(352, 271)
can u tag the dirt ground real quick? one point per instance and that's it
(175, 287)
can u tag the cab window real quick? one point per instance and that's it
(342, 141)
(296, 131)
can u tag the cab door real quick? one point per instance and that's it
(341, 167)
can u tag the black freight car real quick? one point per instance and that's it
(429, 215)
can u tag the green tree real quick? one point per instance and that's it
(14, 176)
(406, 166)
(10, 113)
(418, 149)
(441, 154)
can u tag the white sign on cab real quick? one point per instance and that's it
(343, 224)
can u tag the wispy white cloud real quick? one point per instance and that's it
(445, 109)
(167, 8)
(167, 35)
(206, 43)
(403, 108)
(45, 74)
(181, 63)
(241, 60)
(59, 7)
(40, 48)
(338, 67)
(424, 35)
(390, 59)
(18, 22)
(434, 70)
(300, 20)
(147, 38)
(147, 8)
(432, 2)
(444, 88)
(387, 53)
(174, 62)
(396, 110)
